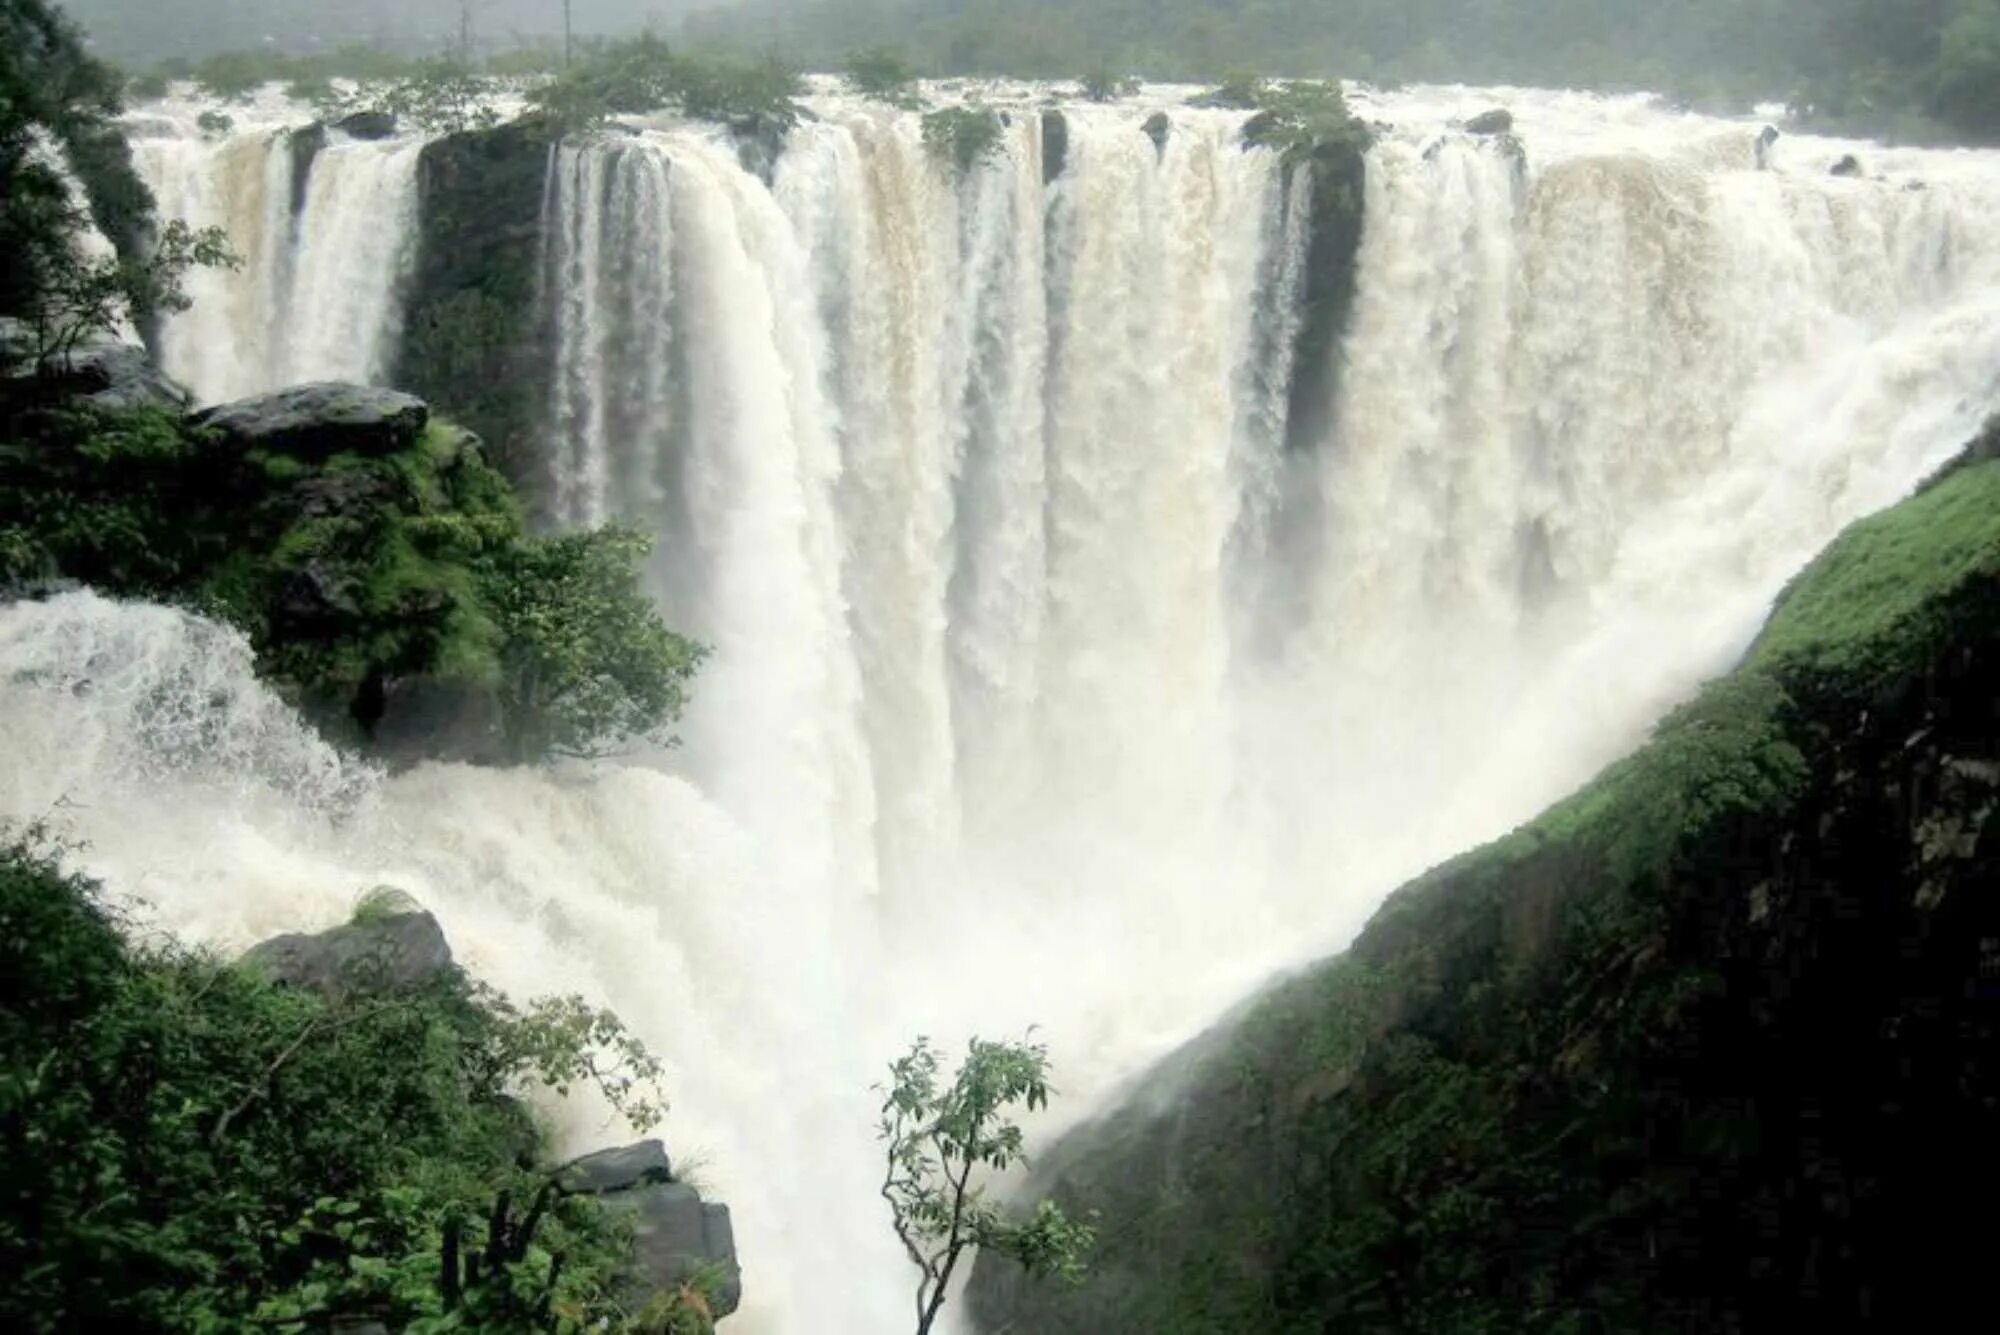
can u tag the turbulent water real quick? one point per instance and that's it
(1050, 686)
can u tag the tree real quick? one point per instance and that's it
(939, 1137)
(884, 74)
(587, 665)
(59, 105)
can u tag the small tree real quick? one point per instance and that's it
(882, 73)
(939, 1137)
(86, 295)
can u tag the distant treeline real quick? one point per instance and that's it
(1914, 68)
(1908, 65)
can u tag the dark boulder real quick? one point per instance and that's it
(1055, 144)
(323, 419)
(367, 125)
(393, 945)
(620, 1169)
(1497, 121)
(676, 1234)
(760, 142)
(101, 372)
(416, 719)
(1157, 127)
(1849, 165)
(1767, 143)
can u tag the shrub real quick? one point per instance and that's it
(189, 1146)
(963, 137)
(884, 74)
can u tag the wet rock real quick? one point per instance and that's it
(1055, 145)
(1497, 121)
(1157, 127)
(1847, 166)
(393, 946)
(620, 1169)
(367, 125)
(305, 145)
(415, 719)
(101, 372)
(676, 1234)
(321, 419)
(1767, 143)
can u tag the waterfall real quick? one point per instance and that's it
(1049, 686)
(315, 294)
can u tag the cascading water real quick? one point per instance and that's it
(1049, 685)
(324, 239)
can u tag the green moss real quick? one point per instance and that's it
(1872, 600)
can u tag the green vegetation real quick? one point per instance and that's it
(352, 571)
(185, 1145)
(50, 86)
(937, 1136)
(885, 74)
(1915, 65)
(1645, 1063)
(1101, 84)
(645, 75)
(962, 137)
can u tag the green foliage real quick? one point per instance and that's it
(962, 137)
(352, 570)
(587, 666)
(1297, 119)
(188, 1146)
(885, 74)
(440, 97)
(52, 90)
(215, 124)
(1103, 84)
(232, 76)
(645, 75)
(937, 1136)
(1860, 610)
(1240, 90)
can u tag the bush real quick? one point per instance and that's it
(884, 74)
(643, 75)
(353, 571)
(963, 137)
(185, 1145)
(1103, 85)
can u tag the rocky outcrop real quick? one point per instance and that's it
(1055, 144)
(1766, 146)
(1849, 165)
(473, 341)
(320, 420)
(1339, 185)
(306, 144)
(1157, 127)
(102, 373)
(677, 1236)
(1497, 121)
(1710, 1046)
(367, 125)
(393, 946)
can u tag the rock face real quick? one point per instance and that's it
(396, 946)
(1055, 144)
(1767, 144)
(472, 342)
(1157, 127)
(676, 1234)
(101, 372)
(1714, 1045)
(367, 125)
(1497, 121)
(1847, 166)
(319, 420)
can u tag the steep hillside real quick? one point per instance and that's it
(1709, 1046)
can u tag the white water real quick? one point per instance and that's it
(315, 295)
(1047, 686)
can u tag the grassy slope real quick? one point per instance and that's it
(1703, 1048)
